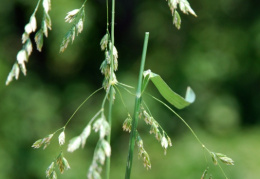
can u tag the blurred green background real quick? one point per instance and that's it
(217, 54)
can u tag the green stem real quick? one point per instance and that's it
(157, 121)
(110, 124)
(104, 102)
(222, 171)
(36, 8)
(131, 93)
(122, 100)
(81, 106)
(84, 3)
(107, 17)
(113, 23)
(122, 84)
(194, 134)
(111, 90)
(138, 100)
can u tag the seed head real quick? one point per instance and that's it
(127, 125)
(21, 57)
(164, 143)
(33, 23)
(84, 135)
(79, 26)
(28, 28)
(225, 159)
(50, 170)
(46, 5)
(74, 144)
(106, 148)
(62, 138)
(47, 140)
(62, 163)
(71, 15)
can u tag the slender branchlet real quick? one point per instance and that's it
(215, 156)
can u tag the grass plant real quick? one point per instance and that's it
(100, 122)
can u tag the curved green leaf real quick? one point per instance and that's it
(172, 97)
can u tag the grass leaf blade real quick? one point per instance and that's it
(172, 97)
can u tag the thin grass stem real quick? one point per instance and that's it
(107, 16)
(84, 3)
(138, 100)
(194, 134)
(222, 171)
(121, 97)
(122, 100)
(128, 86)
(81, 106)
(157, 121)
(111, 89)
(37, 6)
(126, 90)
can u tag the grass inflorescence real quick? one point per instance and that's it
(101, 122)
